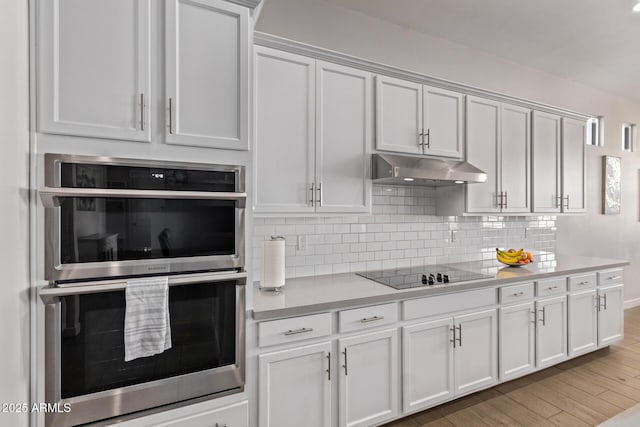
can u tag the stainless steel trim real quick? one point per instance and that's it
(124, 400)
(142, 111)
(329, 366)
(170, 116)
(298, 331)
(56, 271)
(371, 319)
(345, 362)
(50, 195)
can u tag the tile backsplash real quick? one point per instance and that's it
(402, 231)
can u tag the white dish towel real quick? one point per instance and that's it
(147, 330)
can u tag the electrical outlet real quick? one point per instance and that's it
(302, 243)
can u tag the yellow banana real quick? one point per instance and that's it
(504, 260)
(515, 254)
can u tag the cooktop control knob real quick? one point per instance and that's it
(439, 277)
(446, 278)
(424, 279)
(431, 280)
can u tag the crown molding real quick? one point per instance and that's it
(291, 46)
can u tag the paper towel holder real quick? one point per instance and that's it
(274, 289)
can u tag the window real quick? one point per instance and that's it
(595, 127)
(628, 137)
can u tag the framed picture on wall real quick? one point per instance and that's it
(612, 178)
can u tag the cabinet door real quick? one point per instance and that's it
(368, 378)
(93, 76)
(610, 315)
(546, 162)
(517, 340)
(583, 322)
(442, 122)
(343, 139)
(573, 166)
(398, 115)
(515, 158)
(483, 136)
(207, 73)
(475, 356)
(427, 364)
(284, 132)
(295, 387)
(551, 331)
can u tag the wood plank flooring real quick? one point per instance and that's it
(580, 392)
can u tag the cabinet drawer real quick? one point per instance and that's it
(516, 293)
(294, 329)
(368, 317)
(610, 277)
(236, 415)
(445, 304)
(551, 287)
(582, 281)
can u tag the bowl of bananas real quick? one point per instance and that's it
(514, 258)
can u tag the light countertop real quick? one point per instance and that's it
(304, 295)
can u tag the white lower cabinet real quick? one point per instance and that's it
(295, 387)
(517, 340)
(233, 415)
(448, 357)
(368, 366)
(610, 314)
(551, 331)
(583, 322)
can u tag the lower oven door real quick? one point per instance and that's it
(86, 374)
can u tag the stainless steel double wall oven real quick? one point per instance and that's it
(110, 220)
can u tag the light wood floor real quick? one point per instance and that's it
(580, 392)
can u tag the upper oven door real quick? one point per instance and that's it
(117, 217)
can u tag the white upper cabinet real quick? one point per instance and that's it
(313, 125)
(416, 119)
(343, 137)
(284, 132)
(546, 163)
(483, 145)
(442, 129)
(573, 166)
(498, 142)
(515, 158)
(207, 55)
(398, 115)
(93, 68)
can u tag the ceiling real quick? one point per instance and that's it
(595, 42)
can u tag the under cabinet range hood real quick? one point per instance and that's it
(396, 169)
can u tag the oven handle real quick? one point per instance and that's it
(50, 294)
(50, 195)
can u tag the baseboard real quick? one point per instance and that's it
(631, 303)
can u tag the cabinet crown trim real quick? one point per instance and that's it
(287, 45)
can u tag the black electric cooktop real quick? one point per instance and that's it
(428, 275)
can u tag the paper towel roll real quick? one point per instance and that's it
(272, 264)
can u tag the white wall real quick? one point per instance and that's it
(332, 27)
(14, 211)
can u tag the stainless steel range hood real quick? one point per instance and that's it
(397, 169)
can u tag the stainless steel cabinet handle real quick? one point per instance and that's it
(421, 138)
(313, 194)
(605, 301)
(220, 425)
(544, 316)
(298, 331)
(551, 288)
(558, 200)
(567, 197)
(428, 138)
(319, 190)
(506, 200)
(596, 298)
(584, 282)
(533, 314)
(142, 111)
(329, 366)
(371, 319)
(500, 200)
(460, 335)
(518, 294)
(345, 362)
(170, 115)
(454, 336)
(614, 277)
